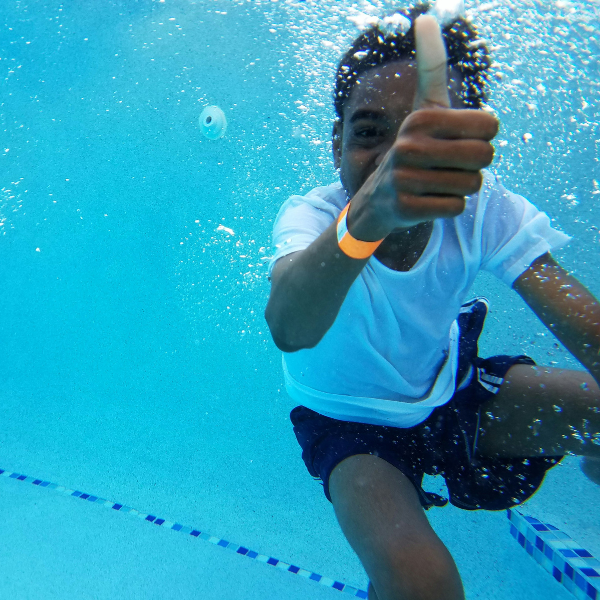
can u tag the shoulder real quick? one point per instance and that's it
(320, 202)
(494, 201)
(301, 219)
(492, 213)
(492, 192)
(326, 197)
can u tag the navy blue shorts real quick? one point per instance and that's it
(444, 444)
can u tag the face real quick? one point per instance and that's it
(373, 115)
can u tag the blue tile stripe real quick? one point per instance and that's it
(570, 564)
(122, 508)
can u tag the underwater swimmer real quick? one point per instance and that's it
(368, 303)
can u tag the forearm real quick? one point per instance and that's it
(567, 308)
(579, 333)
(307, 292)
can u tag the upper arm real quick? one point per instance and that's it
(278, 271)
(274, 303)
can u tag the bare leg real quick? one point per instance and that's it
(542, 411)
(372, 592)
(591, 467)
(380, 514)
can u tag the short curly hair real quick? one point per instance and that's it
(467, 53)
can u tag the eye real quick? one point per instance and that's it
(368, 133)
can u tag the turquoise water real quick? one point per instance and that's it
(135, 361)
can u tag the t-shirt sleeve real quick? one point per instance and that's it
(300, 221)
(514, 234)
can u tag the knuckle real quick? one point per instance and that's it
(482, 154)
(412, 120)
(494, 126)
(474, 183)
(409, 148)
(410, 204)
(404, 174)
(488, 123)
(488, 154)
(410, 180)
(419, 118)
(457, 206)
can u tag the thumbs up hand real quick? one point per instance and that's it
(434, 161)
(432, 69)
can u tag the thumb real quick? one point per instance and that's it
(432, 70)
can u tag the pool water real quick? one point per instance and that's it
(135, 362)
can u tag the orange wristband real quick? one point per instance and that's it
(351, 246)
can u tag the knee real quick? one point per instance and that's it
(427, 572)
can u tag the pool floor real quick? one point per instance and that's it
(252, 491)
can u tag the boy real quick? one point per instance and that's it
(368, 284)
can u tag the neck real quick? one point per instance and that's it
(402, 249)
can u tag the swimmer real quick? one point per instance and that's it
(370, 305)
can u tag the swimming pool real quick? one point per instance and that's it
(135, 362)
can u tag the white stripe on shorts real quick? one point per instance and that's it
(492, 386)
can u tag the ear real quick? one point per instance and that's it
(336, 139)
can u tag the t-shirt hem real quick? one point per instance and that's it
(380, 411)
(524, 262)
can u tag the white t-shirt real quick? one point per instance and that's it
(392, 353)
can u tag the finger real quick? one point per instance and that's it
(452, 124)
(416, 209)
(427, 153)
(427, 182)
(432, 70)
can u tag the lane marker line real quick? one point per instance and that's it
(122, 508)
(570, 564)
